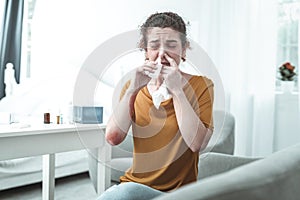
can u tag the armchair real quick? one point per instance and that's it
(275, 177)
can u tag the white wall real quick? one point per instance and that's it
(286, 120)
(64, 33)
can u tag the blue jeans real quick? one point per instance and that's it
(129, 191)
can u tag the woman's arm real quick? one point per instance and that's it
(194, 132)
(119, 123)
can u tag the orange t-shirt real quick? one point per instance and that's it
(161, 158)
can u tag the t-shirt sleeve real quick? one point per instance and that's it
(205, 103)
(122, 93)
(124, 89)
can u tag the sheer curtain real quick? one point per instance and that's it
(240, 36)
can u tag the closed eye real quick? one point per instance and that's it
(171, 44)
(154, 47)
(154, 44)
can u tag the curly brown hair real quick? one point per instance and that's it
(164, 20)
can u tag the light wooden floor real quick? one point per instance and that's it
(76, 187)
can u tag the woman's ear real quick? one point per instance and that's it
(146, 54)
(183, 55)
(185, 47)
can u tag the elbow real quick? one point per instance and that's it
(195, 149)
(203, 147)
(195, 146)
(201, 144)
(198, 148)
(114, 137)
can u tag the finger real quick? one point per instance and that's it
(170, 60)
(164, 71)
(147, 66)
(167, 70)
(151, 64)
(150, 67)
(146, 72)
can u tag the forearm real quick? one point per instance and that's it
(120, 121)
(192, 129)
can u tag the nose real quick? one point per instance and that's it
(161, 52)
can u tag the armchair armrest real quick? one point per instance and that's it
(215, 163)
(222, 140)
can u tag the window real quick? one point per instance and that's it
(288, 26)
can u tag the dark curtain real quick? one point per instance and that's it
(10, 40)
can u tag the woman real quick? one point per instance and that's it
(170, 114)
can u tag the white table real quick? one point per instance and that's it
(48, 139)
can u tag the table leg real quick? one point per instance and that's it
(103, 170)
(48, 176)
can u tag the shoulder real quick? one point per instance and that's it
(198, 85)
(200, 81)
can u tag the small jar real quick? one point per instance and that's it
(46, 118)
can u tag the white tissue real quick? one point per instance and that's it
(160, 95)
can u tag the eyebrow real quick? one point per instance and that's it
(168, 41)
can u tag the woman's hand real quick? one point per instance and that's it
(172, 76)
(141, 77)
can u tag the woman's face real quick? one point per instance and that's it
(167, 41)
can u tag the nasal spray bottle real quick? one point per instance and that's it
(156, 73)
